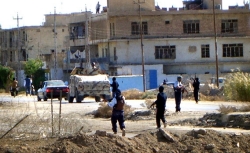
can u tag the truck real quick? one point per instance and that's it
(87, 82)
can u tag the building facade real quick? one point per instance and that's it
(175, 40)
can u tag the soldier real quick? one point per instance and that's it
(114, 86)
(160, 107)
(117, 103)
(196, 85)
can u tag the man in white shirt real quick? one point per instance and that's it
(178, 87)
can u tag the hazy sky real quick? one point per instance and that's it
(32, 11)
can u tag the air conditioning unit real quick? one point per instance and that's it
(44, 65)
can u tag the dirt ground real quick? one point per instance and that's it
(141, 136)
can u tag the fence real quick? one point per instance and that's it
(23, 117)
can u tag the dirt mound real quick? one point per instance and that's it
(148, 142)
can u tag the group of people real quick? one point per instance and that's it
(29, 88)
(118, 101)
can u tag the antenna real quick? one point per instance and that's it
(18, 41)
(55, 43)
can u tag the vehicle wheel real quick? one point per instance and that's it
(71, 99)
(97, 99)
(44, 98)
(78, 97)
(107, 97)
(38, 99)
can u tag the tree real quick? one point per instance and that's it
(33, 67)
(6, 77)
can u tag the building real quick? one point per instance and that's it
(175, 40)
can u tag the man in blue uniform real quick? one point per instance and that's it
(117, 103)
(27, 85)
(160, 107)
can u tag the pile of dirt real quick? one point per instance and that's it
(147, 142)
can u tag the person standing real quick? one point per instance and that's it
(196, 85)
(14, 87)
(117, 103)
(178, 89)
(27, 84)
(114, 86)
(97, 8)
(160, 107)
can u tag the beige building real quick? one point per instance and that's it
(175, 40)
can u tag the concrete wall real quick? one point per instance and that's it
(158, 27)
(129, 5)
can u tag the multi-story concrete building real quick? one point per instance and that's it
(175, 40)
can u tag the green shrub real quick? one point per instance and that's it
(237, 86)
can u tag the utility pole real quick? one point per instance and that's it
(87, 51)
(55, 43)
(18, 43)
(142, 51)
(216, 51)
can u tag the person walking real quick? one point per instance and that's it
(14, 87)
(114, 86)
(160, 107)
(27, 84)
(178, 90)
(117, 103)
(196, 85)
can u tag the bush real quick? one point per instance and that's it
(237, 86)
(230, 109)
(105, 111)
(137, 94)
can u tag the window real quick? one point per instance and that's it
(115, 56)
(63, 50)
(62, 30)
(167, 22)
(232, 50)
(104, 52)
(164, 52)
(11, 55)
(135, 28)
(229, 26)
(112, 29)
(52, 50)
(205, 53)
(77, 31)
(191, 26)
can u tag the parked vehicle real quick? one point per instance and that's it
(51, 89)
(88, 82)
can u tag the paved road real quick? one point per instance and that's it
(90, 104)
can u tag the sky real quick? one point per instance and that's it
(31, 12)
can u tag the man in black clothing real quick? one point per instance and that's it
(196, 85)
(160, 107)
(114, 86)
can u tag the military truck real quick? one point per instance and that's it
(86, 82)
